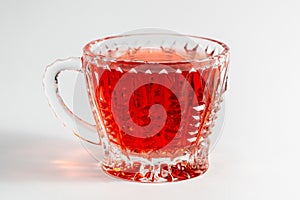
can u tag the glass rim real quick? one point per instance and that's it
(88, 52)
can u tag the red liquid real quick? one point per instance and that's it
(176, 132)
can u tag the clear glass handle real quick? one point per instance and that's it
(61, 110)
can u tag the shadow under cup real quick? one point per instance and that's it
(154, 97)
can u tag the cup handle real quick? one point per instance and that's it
(60, 109)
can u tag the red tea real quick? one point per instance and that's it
(165, 83)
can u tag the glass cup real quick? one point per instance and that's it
(154, 98)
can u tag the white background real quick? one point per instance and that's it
(257, 156)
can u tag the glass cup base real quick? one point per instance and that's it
(156, 170)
